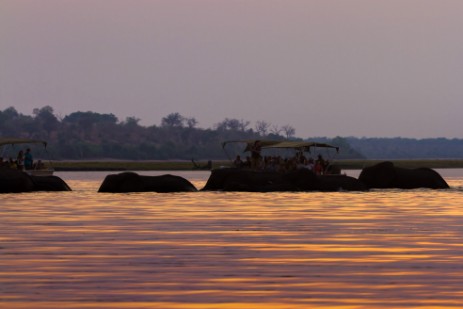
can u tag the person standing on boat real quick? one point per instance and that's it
(320, 165)
(20, 160)
(238, 162)
(255, 154)
(28, 160)
(12, 163)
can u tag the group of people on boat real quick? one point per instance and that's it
(23, 161)
(279, 164)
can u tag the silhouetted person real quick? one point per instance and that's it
(28, 160)
(255, 154)
(238, 162)
(20, 160)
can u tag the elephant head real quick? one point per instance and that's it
(386, 175)
(381, 175)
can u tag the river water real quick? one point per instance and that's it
(378, 249)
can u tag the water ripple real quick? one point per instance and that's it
(378, 249)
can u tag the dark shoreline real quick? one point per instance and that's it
(112, 165)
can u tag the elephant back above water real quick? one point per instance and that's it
(16, 181)
(386, 175)
(50, 183)
(245, 180)
(132, 182)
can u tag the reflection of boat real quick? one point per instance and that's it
(38, 169)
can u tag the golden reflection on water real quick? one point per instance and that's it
(379, 249)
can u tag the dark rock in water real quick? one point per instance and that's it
(132, 182)
(386, 175)
(16, 181)
(49, 183)
(234, 179)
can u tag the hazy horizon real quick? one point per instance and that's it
(326, 67)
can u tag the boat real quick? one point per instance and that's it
(299, 146)
(269, 144)
(39, 169)
(270, 172)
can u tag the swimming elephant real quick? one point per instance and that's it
(386, 175)
(49, 183)
(132, 182)
(246, 180)
(16, 181)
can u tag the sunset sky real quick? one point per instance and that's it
(382, 68)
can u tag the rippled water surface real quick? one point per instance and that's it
(378, 249)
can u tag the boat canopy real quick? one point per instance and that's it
(15, 141)
(268, 144)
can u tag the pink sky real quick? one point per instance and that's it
(328, 68)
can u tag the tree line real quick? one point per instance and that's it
(408, 148)
(90, 135)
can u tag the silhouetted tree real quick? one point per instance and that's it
(173, 120)
(232, 125)
(10, 113)
(275, 130)
(46, 118)
(262, 127)
(132, 121)
(191, 122)
(289, 131)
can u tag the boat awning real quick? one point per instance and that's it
(266, 144)
(16, 141)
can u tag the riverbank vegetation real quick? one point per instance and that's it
(94, 136)
(90, 136)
